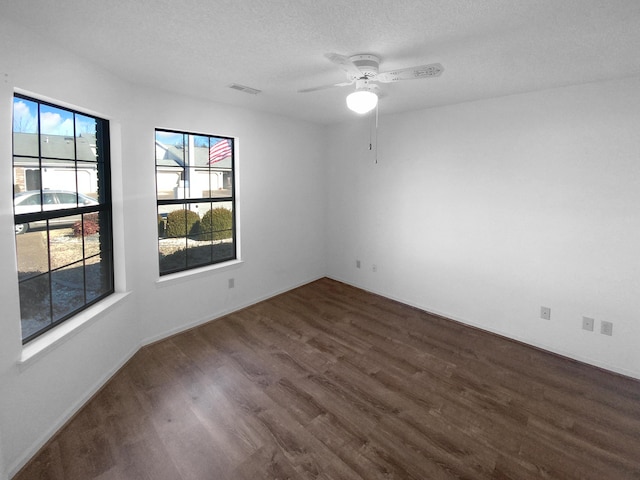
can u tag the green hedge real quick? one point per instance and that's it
(216, 224)
(182, 223)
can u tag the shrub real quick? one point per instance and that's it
(217, 224)
(91, 225)
(181, 223)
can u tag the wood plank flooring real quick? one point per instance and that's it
(330, 382)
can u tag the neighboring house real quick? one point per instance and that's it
(174, 180)
(55, 172)
(180, 175)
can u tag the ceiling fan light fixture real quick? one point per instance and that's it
(364, 99)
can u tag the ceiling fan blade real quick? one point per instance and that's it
(411, 73)
(324, 87)
(345, 64)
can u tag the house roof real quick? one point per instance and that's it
(174, 156)
(56, 146)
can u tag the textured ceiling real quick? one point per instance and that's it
(199, 47)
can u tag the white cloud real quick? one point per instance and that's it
(23, 119)
(52, 123)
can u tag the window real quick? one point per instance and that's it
(196, 200)
(62, 212)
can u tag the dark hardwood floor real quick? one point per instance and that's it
(330, 382)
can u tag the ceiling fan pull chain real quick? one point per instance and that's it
(376, 134)
(373, 134)
(370, 134)
(374, 142)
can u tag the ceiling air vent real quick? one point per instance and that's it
(244, 89)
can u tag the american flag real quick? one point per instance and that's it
(219, 151)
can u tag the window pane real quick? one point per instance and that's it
(168, 181)
(173, 241)
(196, 183)
(85, 138)
(65, 247)
(35, 305)
(198, 252)
(186, 152)
(56, 132)
(171, 149)
(49, 201)
(213, 181)
(67, 290)
(91, 232)
(26, 144)
(98, 254)
(217, 225)
(217, 221)
(57, 146)
(183, 221)
(201, 142)
(169, 146)
(68, 198)
(27, 202)
(221, 183)
(87, 178)
(26, 174)
(201, 156)
(98, 275)
(199, 244)
(224, 251)
(25, 127)
(32, 254)
(220, 150)
(59, 175)
(172, 258)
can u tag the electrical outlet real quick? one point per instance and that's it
(232, 283)
(587, 323)
(545, 313)
(374, 268)
(606, 328)
(357, 263)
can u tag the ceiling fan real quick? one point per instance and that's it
(362, 70)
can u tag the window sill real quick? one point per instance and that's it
(173, 278)
(36, 348)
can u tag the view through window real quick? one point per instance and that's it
(195, 195)
(62, 212)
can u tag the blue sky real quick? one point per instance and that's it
(172, 139)
(53, 121)
(169, 138)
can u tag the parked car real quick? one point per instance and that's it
(31, 201)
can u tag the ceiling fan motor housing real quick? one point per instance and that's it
(365, 84)
(367, 64)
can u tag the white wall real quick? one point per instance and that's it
(485, 211)
(280, 204)
(36, 399)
